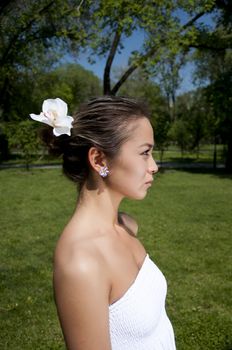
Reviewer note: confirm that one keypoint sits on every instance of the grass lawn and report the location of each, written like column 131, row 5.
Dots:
column 185, row 225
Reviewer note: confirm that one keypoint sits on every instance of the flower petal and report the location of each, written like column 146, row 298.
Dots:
column 60, row 130
column 61, row 107
column 40, row 118
column 48, row 104
column 55, row 114
column 57, row 105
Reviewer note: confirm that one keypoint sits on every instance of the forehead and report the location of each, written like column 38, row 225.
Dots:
column 141, row 132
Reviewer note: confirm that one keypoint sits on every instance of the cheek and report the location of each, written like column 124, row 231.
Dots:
column 138, row 173
column 128, row 178
column 133, row 169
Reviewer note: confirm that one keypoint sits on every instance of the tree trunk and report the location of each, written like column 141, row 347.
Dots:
column 229, row 154
column 4, row 148
column 107, row 90
column 106, row 80
column 215, row 154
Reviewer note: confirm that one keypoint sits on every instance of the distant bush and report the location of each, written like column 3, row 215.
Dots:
column 23, row 136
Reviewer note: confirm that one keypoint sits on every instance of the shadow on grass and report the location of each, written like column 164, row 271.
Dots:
column 228, row 347
column 190, row 160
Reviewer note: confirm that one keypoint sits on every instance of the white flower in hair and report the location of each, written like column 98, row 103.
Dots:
column 54, row 113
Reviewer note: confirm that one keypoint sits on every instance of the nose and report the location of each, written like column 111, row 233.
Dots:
column 153, row 167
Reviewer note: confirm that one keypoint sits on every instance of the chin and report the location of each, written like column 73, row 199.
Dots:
column 137, row 196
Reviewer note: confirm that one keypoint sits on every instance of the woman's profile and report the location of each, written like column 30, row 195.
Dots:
column 109, row 294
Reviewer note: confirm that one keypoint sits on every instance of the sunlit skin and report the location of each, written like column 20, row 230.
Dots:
column 98, row 256
column 132, row 172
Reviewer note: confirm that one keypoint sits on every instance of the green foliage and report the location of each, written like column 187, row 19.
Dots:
column 161, row 129
column 214, row 67
column 192, row 122
column 142, row 87
column 219, row 94
column 179, row 133
column 165, row 35
column 190, row 240
column 33, row 36
column 71, row 82
column 23, row 137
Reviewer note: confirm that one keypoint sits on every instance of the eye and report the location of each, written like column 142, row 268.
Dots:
column 146, row 153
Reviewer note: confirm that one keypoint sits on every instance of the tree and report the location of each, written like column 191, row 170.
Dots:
column 219, row 94
column 164, row 32
column 161, row 127
column 142, row 87
column 70, row 82
column 169, row 80
column 23, row 137
column 179, row 133
column 35, row 33
column 33, row 36
column 195, row 116
column 214, row 67
column 4, row 150
column 191, row 125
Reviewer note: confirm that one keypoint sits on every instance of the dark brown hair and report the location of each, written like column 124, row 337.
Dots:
column 102, row 122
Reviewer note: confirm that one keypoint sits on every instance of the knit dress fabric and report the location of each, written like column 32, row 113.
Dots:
column 138, row 320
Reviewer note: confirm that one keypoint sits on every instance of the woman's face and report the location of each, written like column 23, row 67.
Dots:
column 131, row 173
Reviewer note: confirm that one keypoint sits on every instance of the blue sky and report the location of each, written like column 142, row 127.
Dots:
column 135, row 43
column 121, row 61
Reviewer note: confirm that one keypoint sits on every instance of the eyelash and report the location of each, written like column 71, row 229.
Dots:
column 146, row 153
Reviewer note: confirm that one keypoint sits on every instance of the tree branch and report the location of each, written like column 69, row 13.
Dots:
column 79, row 6
column 208, row 47
column 113, row 49
column 123, row 78
column 131, row 69
column 192, row 20
column 144, row 57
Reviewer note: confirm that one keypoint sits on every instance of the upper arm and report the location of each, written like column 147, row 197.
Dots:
column 128, row 222
column 81, row 294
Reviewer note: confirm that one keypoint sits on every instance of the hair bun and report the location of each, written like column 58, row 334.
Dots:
column 54, row 144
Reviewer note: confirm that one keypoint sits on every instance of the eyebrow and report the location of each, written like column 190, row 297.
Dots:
column 148, row 145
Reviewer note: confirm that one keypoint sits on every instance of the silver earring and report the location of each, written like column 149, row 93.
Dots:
column 104, row 171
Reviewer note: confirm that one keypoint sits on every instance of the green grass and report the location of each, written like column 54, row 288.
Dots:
column 185, row 224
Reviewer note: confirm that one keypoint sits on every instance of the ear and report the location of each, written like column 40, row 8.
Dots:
column 96, row 158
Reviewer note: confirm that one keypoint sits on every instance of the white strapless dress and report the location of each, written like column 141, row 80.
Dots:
column 138, row 320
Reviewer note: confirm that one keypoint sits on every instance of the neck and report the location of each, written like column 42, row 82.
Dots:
column 99, row 204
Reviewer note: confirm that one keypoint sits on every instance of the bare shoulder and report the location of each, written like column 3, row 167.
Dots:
column 128, row 222
column 77, row 257
column 82, row 290
column 75, row 261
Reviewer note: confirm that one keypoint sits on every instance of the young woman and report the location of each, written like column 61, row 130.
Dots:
column 109, row 294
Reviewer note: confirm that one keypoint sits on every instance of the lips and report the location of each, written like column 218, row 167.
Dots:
column 149, row 182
